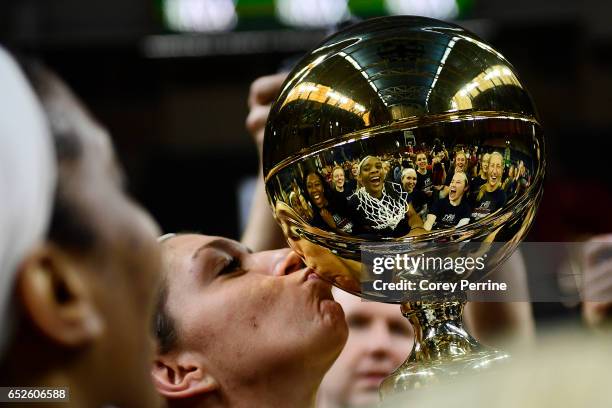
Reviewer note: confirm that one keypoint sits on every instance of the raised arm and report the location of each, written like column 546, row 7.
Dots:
column 262, row 232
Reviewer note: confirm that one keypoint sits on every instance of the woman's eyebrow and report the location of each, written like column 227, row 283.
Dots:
column 222, row 244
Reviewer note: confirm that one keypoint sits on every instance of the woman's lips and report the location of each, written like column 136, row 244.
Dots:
column 373, row 379
column 312, row 276
column 320, row 286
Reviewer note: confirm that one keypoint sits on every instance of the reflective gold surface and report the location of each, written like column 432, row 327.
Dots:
column 442, row 349
column 369, row 100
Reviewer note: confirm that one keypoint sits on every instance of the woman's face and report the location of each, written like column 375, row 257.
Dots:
column 386, row 166
column 457, row 186
column 370, row 176
column 409, row 181
column 421, row 161
column 485, row 165
column 495, row 170
column 249, row 314
column 355, row 170
column 460, row 162
column 338, row 177
column 314, row 187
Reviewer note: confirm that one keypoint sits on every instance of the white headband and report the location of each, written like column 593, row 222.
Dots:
column 27, row 179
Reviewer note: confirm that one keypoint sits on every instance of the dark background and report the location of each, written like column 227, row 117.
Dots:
column 176, row 110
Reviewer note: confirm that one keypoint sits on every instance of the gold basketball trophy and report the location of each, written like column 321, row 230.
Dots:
column 378, row 98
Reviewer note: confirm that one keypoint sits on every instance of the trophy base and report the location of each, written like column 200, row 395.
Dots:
column 442, row 349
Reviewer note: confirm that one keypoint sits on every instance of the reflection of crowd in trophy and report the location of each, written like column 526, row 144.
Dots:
column 410, row 192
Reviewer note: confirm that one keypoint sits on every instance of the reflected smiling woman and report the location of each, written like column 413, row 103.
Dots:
column 491, row 196
column 328, row 213
column 381, row 208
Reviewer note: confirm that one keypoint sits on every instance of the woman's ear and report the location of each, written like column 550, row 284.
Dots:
column 54, row 290
column 181, row 376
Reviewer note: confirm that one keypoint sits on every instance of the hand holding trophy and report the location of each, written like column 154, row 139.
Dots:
column 376, row 99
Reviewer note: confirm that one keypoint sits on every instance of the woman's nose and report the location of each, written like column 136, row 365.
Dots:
column 289, row 263
column 278, row 262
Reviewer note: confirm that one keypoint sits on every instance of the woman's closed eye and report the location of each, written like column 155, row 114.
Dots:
column 232, row 265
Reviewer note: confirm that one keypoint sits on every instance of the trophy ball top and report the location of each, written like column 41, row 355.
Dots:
column 402, row 130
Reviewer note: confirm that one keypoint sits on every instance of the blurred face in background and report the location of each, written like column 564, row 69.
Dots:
column 457, row 186
column 460, row 161
column 496, row 169
column 314, row 187
column 338, row 178
column 484, row 169
column 421, row 161
column 386, row 167
column 379, row 340
column 409, row 179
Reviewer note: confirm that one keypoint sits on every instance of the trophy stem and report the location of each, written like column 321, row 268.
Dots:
column 442, row 348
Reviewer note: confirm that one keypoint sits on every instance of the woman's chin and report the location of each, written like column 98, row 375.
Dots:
column 334, row 330
column 332, row 312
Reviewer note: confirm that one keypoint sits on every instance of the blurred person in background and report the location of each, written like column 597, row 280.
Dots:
column 328, row 211
column 82, row 300
column 452, row 210
column 417, row 198
column 460, row 165
column 355, row 170
column 343, row 187
column 596, row 267
column 509, row 185
column 438, row 174
column 477, row 181
column 409, row 179
column 379, row 340
column 491, row 196
column 386, row 164
column 522, row 181
column 242, row 329
column 424, row 180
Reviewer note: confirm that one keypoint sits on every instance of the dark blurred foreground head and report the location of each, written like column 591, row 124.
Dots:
column 82, row 299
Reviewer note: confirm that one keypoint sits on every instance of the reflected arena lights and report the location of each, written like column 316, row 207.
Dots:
column 442, row 9
column 224, row 15
column 326, row 95
column 311, row 13
column 493, row 76
column 200, row 15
